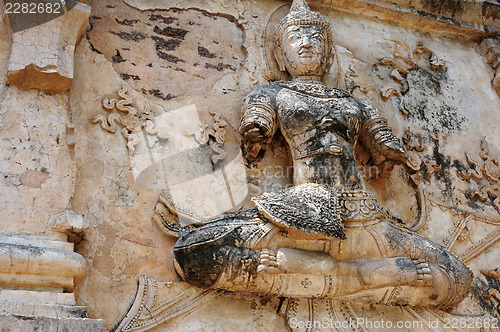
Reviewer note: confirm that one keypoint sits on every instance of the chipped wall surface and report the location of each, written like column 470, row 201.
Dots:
column 155, row 104
column 176, row 48
column 37, row 168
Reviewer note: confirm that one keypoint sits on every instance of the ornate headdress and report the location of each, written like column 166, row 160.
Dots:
column 301, row 14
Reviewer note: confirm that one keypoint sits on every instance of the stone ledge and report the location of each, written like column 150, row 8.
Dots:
column 42, row 57
column 35, row 297
column 46, row 310
column 21, row 323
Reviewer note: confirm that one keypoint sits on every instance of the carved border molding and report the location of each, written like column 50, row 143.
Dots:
column 461, row 20
column 159, row 302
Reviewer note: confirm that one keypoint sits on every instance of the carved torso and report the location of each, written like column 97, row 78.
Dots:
column 322, row 128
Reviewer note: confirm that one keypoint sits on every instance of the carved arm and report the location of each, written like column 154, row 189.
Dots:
column 258, row 122
column 377, row 137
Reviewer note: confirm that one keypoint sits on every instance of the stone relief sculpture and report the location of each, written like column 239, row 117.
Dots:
column 132, row 123
column 488, row 174
column 325, row 237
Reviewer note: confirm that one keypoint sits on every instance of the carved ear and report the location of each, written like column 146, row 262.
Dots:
column 330, row 60
column 278, row 54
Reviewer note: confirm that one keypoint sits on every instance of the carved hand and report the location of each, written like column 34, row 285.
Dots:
column 391, row 152
column 254, row 140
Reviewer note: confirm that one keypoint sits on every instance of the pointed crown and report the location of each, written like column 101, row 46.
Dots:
column 301, row 14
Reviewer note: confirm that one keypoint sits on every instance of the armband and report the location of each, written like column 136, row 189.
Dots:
column 258, row 115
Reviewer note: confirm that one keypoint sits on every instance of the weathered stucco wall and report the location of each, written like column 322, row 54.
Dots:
column 186, row 66
column 208, row 54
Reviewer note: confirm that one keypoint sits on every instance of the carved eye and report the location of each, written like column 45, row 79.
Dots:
column 319, row 36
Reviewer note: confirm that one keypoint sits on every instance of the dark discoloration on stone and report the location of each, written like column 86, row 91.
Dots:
column 36, row 251
column 25, row 318
column 460, row 166
column 126, row 22
column 479, row 293
column 167, row 45
column 134, row 35
column 168, row 57
column 128, row 76
column 445, row 174
column 91, row 26
column 421, row 102
column 117, row 58
column 202, row 265
column 202, row 51
column 443, row 7
column 158, row 94
column 169, row 49
column 220, row 66
column 490, row 10
column 162, row 19
column 171, row 32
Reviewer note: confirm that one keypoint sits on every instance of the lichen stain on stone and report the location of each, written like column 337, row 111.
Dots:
column 167, row 45
column 127, row 76
column 158, row 94
column 171, row 32
column 157, row 51
column 424, row 103
column 450, row 7
column 117, row 58
column 479, row 293
column 489, row 11
column 220, row 66
column 168, row 57
column 126, row 22
column 202, row 51
column 134, row 35
column 162, row 19
column 444, row 176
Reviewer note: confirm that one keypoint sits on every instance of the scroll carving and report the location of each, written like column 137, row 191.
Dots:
column 393, row 71
column 417, row 162
column 403, row 63
column 131, row 123
column 486, row 173
column 215, row 137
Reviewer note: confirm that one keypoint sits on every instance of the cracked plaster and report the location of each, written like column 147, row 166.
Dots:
column 97, row 179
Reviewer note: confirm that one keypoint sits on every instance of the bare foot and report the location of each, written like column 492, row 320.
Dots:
column 424, row 274
column 286, row 261
column 268, row 262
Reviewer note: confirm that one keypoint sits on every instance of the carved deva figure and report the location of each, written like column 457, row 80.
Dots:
column 325, row 237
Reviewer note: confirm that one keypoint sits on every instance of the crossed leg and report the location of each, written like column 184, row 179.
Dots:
column 282, row 266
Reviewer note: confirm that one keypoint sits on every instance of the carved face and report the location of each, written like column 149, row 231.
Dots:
column 305, row 50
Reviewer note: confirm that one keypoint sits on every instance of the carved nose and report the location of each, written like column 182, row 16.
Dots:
column 305, row 41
